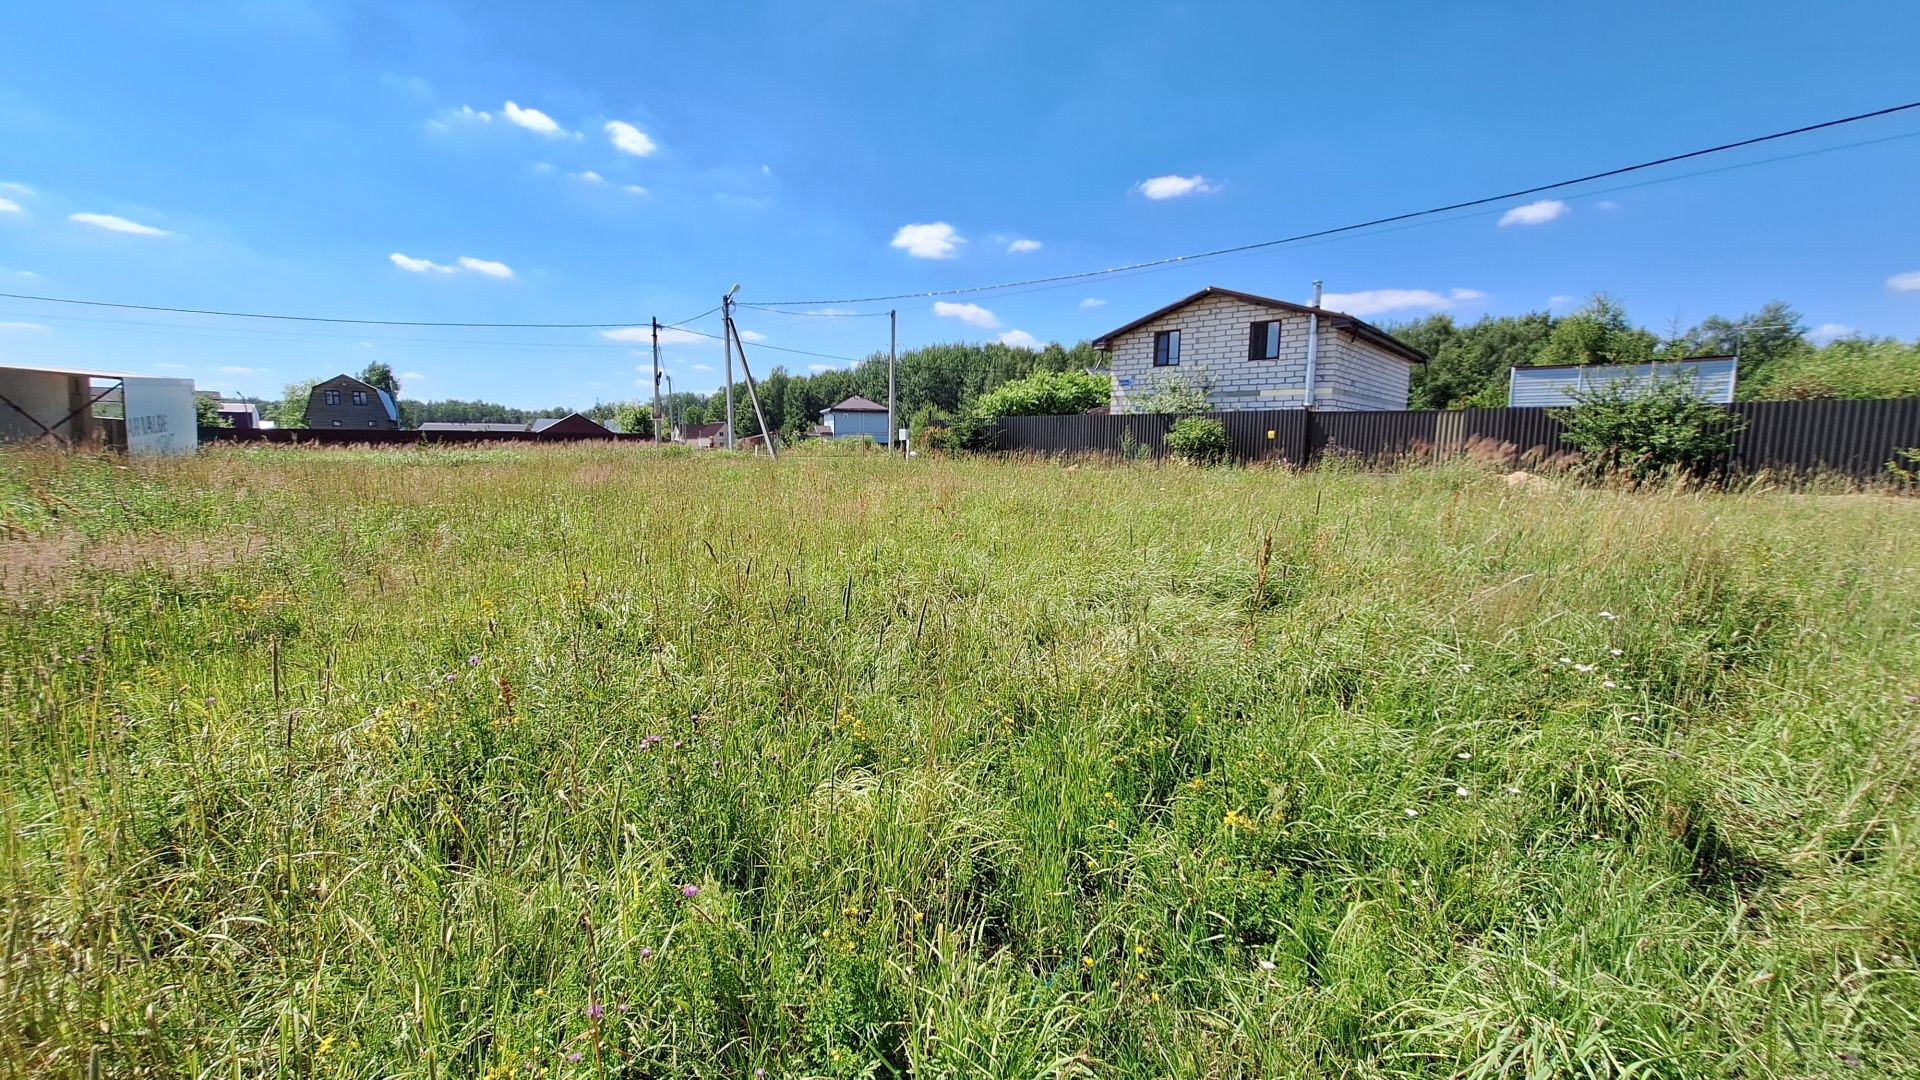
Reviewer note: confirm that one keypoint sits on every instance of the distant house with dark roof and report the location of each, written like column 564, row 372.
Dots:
column 855, row 418
column 572, row 425
column 703, row 436
column 345, row 402
column 1260, row 353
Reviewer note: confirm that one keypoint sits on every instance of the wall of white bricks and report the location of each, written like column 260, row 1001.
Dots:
column 1352, row 374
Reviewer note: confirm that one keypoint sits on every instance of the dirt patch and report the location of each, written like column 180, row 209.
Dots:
column 42, row 567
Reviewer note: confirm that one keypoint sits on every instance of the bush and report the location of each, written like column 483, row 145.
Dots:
column 1047, row 393
column 1198, row 440
column 1175, row 394
column 1639, row 431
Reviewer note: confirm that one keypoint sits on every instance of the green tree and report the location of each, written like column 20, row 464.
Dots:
column 1598, row 333
column 633, row 418
column 1847, row 368
column 206, row 412
column 1468, row 365
column 381, row 376
column 291, row 410
column 1761, row 338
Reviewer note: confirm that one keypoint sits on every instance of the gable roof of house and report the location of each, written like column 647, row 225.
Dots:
column 571, row 424
column 702, row 431
column 1338, row 320
column 386, row 399
column 856, row 403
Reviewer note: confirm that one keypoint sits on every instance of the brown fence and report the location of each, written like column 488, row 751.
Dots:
column 379, row 437
column 1854, row 438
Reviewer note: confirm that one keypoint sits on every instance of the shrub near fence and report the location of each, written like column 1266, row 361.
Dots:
column 1852, row 438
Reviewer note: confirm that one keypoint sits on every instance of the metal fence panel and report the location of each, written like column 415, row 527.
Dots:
column 1853, row 438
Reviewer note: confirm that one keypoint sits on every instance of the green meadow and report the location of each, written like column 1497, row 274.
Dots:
column 572, row 762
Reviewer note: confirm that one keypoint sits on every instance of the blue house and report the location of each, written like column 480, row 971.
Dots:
column 857, row 417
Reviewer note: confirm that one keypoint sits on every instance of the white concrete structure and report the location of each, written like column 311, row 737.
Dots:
column 1253, row 351
column 57, row 405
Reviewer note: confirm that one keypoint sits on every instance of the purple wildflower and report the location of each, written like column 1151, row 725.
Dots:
column 645, row 954
column 689, row 890
column 449, row 676
column 575, row 1056
column 595, row 1012
column 473, row 660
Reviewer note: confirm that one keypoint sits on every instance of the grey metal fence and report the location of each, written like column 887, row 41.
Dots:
column 1853, row 438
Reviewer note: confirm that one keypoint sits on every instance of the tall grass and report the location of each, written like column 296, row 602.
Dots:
column 568, row 762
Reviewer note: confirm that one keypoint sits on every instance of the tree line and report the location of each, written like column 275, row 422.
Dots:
column 942, row 383
column 1779, row 359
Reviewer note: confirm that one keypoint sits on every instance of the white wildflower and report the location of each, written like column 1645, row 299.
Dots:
column 1464, row 755
column 1266, row 965
column 1462, row 792
column 1613, row 652
column 1608, row 615
column 1566, row 659
column 1466, row 667
column 1584, row 669
column 1411, row 812
column 1608, row 683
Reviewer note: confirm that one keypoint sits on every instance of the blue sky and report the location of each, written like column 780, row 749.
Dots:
column 592, row 162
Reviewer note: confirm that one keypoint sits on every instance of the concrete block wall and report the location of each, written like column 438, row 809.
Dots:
column 1357, row 375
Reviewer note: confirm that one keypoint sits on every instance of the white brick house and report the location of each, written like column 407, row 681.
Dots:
column 1254, row 352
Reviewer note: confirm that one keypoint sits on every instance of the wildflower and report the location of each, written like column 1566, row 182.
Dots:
column 1155, row 996
column 1266, row 965
column 1566, row 659
column 919, row 916
column 689, row 890
column 1465, row 755
column 449, row 676
column 575, row 1056
column 1608, row 683
column 325, row 1045
column 1613, row 652
column 595, row 1012
column 759, row 1072
column 1087, row 960
column 1466, row 667
column 1411, row 812
column 645, row 954
column 1609, row 616
column 1139, row 950
column 1462, row 792
column 1584, row 669
column 539, row 991
column 472, row 660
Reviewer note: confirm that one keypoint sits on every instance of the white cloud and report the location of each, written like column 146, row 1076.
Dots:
column 169, row 367
column 1173, row 187
column 818, row 368
column 411, row 377
column 8, row 206
column 1534, row 213
column 590, row 177
column 629, row 138
column 750, row 335
column 1907, row 282
column 1092, row 302
column 1019, row 246
column 1381, row 301
column 1830, row 331
column 1606, row 204
column 232, row 369
column 971, row 314
column 1559, row 300
column 634, row 189
column 465, row 114
column 27, row 274
column 542, row 166
column 418, row 266
column 1019, row 339
column 938, row 240
column 113, row 223
column 701, row 367
column 23, row 327
column 533, row 120
column 486, row 266
column 17, row 189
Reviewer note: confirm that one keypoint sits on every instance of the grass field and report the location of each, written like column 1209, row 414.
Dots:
column 570, row 762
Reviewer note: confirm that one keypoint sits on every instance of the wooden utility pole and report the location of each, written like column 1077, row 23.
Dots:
column 656, row 383
column 893, row 338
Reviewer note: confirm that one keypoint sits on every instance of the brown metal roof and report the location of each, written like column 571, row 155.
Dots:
column 1339, row 321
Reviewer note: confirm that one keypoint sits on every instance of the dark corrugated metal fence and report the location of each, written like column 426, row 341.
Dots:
column 1854, row 438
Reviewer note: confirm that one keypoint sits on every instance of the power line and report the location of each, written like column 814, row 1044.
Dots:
column 324, row 318
column 780, row 348
column 1390, row 219
column 815, row 314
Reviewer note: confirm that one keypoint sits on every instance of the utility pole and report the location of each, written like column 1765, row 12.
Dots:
column 657, row 415
column 893, row 337
column 726, row 346
column 752, row 392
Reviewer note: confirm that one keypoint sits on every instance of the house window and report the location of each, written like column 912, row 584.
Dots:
column 359, row 397
column 332, row 396
column 1263, row 340
column 1166, row 348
